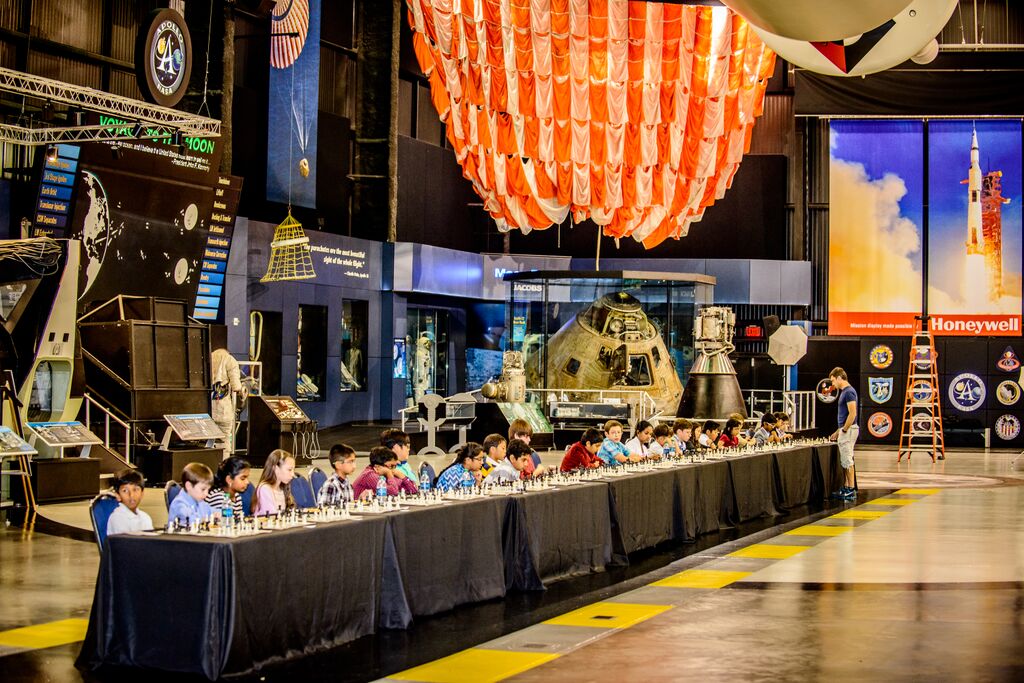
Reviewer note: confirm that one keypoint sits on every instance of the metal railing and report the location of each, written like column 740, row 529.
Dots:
column 88, row 402
column 799, row 405
column 643, row 406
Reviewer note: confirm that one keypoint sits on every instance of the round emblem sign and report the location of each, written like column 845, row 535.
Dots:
column 1008, row 362
column 922, row 390
column 826, row 392
column 1008, row 392
column 881, row 356
column 879, row 425
column 1007, row 427
column 967, row 391
column 163, row 57
column 922, row 358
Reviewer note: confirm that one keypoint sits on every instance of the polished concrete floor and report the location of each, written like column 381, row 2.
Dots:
column 923, row 577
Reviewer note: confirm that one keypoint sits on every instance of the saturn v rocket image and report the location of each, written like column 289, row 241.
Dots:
column 983, row 264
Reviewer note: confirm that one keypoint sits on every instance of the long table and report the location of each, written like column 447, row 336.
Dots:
column 219, row 605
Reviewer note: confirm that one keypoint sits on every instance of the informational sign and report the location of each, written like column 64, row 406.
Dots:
column 286, row 408
column 56, row 190
column 63, row 434
column 12, row 445
column 209, row 304
column 194, row 427
column 398, row 360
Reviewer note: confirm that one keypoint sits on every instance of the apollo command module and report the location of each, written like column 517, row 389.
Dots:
column 611, row 345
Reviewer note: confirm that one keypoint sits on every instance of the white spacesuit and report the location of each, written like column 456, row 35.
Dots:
column 227, row 384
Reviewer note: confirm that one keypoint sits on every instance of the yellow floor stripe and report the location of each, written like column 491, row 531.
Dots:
column 892, row 501
column 860, row 514
column 769, row 552
column 45, row 635
column 701, row 578
column 475, row 665
column 609, row 615
column 819, row 530
column 923, row 492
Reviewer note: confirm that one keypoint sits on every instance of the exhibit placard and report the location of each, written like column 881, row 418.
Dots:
column 194, row 427
column 64, row 434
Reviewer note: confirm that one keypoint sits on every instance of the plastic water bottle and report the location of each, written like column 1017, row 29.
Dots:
column 227, row 515
column 382, row 488
column 424, row 482
column 467, row 480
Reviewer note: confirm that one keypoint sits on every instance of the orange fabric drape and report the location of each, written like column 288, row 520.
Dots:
column 634, row 114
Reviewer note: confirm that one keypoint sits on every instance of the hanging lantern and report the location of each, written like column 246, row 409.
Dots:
column 633, row 114
column 290, row 258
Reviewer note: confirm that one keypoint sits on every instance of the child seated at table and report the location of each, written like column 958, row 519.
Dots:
column 512, row 468
column 583, row 454
column 782, row 426
column 129, row 487
column 494, row 452
column 337, row 490
column 682, row 436
column 521, row 429
column 730, row 436
column 661, row 439
column 231, row 479
column 383, row 463
column 469, row 459
column 400, row 444
column 642, row 443
column 613, row 452
column 190, row 504
column 709, row 434
column 274, row 493
column 766, row 432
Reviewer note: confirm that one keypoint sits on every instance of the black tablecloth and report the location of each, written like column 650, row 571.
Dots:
column 449, row 555
column 794, row 477
column 212, row 606
column 753, row 482
column 215, row 606
column 567, row 531
column 644, row 510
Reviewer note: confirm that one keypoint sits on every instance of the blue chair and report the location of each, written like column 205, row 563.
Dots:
column 317, row 478
column 425, row 467
column 247, row 495
column 302, row 492
column 171, row 490
column 100, row 509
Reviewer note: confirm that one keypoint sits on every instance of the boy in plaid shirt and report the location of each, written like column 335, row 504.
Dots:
column 337, row 490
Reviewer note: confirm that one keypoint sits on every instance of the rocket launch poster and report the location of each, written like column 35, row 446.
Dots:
column 974, row 227
column 876, row 209
column 294, row 100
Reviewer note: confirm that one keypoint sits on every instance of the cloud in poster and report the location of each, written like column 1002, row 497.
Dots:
column 874, row 251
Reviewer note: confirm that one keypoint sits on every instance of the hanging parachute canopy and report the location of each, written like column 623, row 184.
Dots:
column 633, row 114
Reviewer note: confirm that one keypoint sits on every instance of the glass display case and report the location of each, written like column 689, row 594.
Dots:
column 353, row 345
column 613, row 308
column 426, row 345
column 311, row 355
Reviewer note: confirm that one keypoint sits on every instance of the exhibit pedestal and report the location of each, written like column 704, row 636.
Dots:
column 159, row 466
column 57, row 480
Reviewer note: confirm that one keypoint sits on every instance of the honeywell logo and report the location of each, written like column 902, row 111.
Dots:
column 970, row 326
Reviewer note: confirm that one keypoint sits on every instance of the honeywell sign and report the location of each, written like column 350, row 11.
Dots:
column 977, row 325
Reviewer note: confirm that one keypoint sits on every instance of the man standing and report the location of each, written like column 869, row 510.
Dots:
column 846, row 435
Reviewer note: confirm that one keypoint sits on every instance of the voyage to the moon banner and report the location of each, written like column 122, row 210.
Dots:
column 877, row 198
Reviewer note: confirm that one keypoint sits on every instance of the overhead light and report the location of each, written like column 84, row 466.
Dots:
column 51, row 154
column 138, row 130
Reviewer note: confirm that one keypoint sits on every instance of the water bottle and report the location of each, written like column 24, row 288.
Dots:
column 227, row 515
column 382, row 488
column 424, row 482
column 467, row 480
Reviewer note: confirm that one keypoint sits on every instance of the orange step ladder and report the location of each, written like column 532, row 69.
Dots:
column 921, row 428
